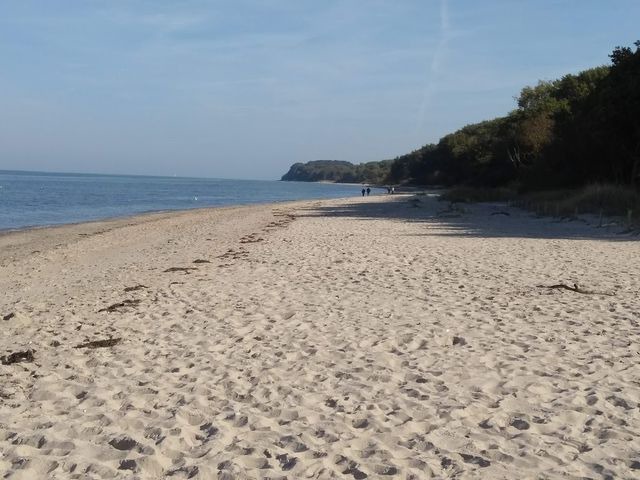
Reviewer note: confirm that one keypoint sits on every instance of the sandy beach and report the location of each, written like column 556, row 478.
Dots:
column 381, row 337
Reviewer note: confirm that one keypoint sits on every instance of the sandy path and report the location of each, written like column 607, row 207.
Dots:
column 370, row 338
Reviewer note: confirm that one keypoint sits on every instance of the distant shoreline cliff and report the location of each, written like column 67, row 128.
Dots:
column 338, row 171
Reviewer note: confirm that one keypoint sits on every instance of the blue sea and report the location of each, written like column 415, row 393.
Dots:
column 30, row 199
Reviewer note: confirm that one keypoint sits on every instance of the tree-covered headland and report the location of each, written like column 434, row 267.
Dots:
column 582, row 128
column 579, row 130
column 339, row 171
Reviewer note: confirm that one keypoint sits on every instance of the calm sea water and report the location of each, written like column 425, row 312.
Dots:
column 35, row 199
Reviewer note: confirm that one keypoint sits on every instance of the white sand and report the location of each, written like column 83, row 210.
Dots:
column 366, row 338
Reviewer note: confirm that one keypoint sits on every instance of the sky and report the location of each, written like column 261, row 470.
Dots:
column 243, row 89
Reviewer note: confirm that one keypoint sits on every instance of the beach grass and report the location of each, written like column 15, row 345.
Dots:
column 597, row 199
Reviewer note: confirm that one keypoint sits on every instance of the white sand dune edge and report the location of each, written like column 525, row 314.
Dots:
column 363, row 338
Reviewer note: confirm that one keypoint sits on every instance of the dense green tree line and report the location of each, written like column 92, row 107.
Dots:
column 579, row 129
column 339, row 171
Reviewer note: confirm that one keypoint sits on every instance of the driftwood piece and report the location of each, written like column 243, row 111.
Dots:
column 501, row 213
column 200, row 260
column 117, row 306
column 109, row 342
column 18, row 357
column 8, row 316
column 575, row 288
column 180, row 269
column 134, row 288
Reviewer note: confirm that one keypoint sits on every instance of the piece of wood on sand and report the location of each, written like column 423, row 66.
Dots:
column 109, row 342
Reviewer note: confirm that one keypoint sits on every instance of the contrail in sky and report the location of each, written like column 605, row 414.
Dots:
column 436, row 63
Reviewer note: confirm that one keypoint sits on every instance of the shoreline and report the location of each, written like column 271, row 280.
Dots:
column 135, row 216
column 113, row 200
column 380, row 336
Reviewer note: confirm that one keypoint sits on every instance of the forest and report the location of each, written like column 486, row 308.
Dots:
column 339, row 171
column 578, row 130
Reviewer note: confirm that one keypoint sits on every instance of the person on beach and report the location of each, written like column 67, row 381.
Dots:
column 368, row 191
column 363, row 192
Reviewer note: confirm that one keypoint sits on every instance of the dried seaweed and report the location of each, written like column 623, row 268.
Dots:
column 134, row 288
column 575, row 288
column 109, row 342
column 117, row 306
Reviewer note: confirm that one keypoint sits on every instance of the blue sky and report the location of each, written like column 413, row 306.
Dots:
column 243, row 89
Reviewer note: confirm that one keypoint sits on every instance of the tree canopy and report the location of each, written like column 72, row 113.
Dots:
column 338, row 171
column 579, row 129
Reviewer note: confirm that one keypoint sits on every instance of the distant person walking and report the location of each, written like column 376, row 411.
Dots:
column 393, row 190
column 368, row 191
column 363, row 192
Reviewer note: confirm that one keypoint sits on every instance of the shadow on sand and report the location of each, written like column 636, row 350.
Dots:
column 486, row 220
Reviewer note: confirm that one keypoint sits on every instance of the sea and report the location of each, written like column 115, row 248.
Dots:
column 36, row 199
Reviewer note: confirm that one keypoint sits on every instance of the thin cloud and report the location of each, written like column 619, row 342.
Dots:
column 437, row 62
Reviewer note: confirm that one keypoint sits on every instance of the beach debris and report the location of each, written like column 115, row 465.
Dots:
column 117, row 306
column 576, row 289
column 176, row 283
column 180, row 269
column 500, row 213
column 109, row 342
column 18, row 357
column 200, row 260
column 8, row 316
column 135, row 288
